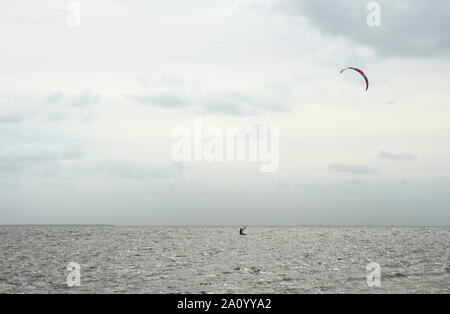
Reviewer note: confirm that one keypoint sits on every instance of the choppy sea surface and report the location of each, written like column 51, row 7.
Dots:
column 116, row 259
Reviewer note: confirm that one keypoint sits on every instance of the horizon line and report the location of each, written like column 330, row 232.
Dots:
column 211, row 225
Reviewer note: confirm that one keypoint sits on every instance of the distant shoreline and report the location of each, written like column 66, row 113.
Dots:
column 231, row 226
column 57, row 225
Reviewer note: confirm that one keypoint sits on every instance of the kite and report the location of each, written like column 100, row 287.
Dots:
column 360, row 72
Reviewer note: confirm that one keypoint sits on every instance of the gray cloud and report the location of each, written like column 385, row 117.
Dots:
column 404, row 156
column 165, row 100
column 139, row 170
column 21, row 157
column 369, row 202
column 56, row 106
column 13, row 116
column 230, row 102
column 242, row 104
column 15, row 109
column 354, row 169
column 84, row 98
column 168, row 80
column 408, row 28
column 56, row 97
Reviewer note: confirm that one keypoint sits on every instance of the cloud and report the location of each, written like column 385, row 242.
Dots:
column 393, row 156
column 56, row 97
column 228, row 102
column 84, row 98
column 373, row 202
column 15, row 109
column 168, row 80
column 139, row 170
column 13, row 116
column 408, row 28
column 354, row 169
column 66, row 161
column 238, row 103
column 20, row 157
column 165, row 100
column 55, row 106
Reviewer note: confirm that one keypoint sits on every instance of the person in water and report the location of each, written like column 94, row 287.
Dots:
column 241, row 231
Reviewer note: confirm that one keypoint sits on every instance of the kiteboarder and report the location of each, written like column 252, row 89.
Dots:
column 241, row 231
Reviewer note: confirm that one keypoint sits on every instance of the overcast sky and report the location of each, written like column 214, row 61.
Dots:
column 86, row 112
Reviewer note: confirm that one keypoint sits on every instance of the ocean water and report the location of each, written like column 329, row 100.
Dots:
column 115, row 259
